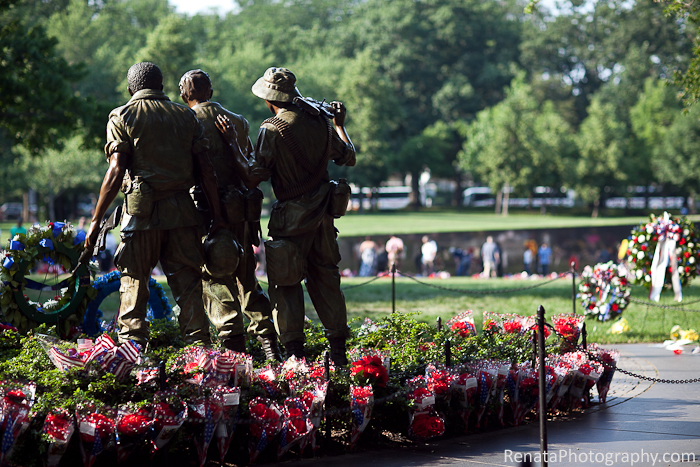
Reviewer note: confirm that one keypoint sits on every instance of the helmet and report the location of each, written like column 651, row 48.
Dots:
column 221, row 254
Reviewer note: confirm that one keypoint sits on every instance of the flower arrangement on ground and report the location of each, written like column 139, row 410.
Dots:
column 604, row 290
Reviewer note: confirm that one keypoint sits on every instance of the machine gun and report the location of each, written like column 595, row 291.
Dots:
column 315, row 107
column 107, row 224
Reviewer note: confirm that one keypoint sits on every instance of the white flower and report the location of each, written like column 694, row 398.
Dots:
column 638, row 273
column 686, row 232
column 650, row 229
column 634, row 251
column 630, row 258
column 642, row 239
column 647, row 278
column 640, row 255
column 678, row 251
column 681, row 269
column 691, row 260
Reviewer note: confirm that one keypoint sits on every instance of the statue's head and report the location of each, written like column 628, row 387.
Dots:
column 195, row 85
column 144, row 75
column 276, row 85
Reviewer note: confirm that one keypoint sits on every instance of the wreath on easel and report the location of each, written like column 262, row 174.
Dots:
column 604, row 290
column 59, row 298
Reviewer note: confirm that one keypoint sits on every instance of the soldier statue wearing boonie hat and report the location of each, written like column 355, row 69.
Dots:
column 293, row 150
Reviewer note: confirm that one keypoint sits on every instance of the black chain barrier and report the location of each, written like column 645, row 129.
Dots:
column 348, row 287
column 666, row 307
column 483, row 292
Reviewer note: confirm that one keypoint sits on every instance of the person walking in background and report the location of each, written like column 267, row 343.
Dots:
column 544, row 257
column 428, row 254
column 395, row 250
column 527, row 261
column 18, row 229
column 490, row 256
column 368, row 254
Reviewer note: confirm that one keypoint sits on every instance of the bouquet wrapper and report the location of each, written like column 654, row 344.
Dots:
column 492, row 321
column 59, row 426
column 265, row 425
column 567, row 379
column 230, row 399
column 168, row 418
column 499, row 386
column 96, row 432
column 16, row 402
column 439, row 381
column 118, row 360
column 134, row 428
column 205, row 412
column 485, row 383
column 267, row 378
column 362, row 402
column 528, row 392
column 296, row 425
column 603, row 383
column 463, row 324
column 464, row 391
column 315, row 401
column 426, row 425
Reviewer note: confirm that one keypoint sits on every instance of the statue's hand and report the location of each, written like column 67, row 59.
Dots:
column 223, row 123
column 340, row 111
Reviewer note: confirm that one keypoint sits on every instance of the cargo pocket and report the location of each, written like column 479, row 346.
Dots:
column 285, row 265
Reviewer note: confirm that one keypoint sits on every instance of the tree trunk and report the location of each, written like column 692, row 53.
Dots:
column 25, row 206
column 596, row 208
column 499, row 201
column 457, row 199
column 51, row 199
column 506, row 198
column 415, row 190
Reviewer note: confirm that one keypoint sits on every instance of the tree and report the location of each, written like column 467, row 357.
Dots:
column 517, row 144
column 602, row 142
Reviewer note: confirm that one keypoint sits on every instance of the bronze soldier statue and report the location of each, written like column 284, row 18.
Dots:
column 293, row 150
column 225, row 297
column 155, row 147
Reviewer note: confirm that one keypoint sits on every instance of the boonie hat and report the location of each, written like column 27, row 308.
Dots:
column 277, row 84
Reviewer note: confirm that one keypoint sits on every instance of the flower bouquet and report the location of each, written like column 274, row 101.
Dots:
column 569, row 327
column 265, row 424
column 204, row 415
column 609, row 359
column 134, row 427
column 591, row 371
column 438, row 381
column 230, row 400
column 464, row 391
column 492, row 322
column 463, row 324
column 485, row 381
column 426, row 425
column 310, row 386
column 96, row 428
column 169, row 413
column 266, row 377
column 16, row 401
column 369, row 370
column 604, row 290
column 295, row 426
column 527, row 394
column 361, row 402
column 59, row 426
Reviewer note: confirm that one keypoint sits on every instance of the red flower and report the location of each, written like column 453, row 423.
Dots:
column 615, row 307
column 361, row 395
column 687, row 269
column 686, row 254
column 370, row 369
column 512, row 327
column 296, row 417
column 56, row 425
column 133, row 425
column 308, row 399
column 103, row 426
column 643, row 248
column 426, row 426
column 489, row 325
column 419, row 394
column 681, row 241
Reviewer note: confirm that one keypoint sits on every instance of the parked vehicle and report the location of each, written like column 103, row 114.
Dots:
column 11, row 211
column 384, row 197
column 481, row 196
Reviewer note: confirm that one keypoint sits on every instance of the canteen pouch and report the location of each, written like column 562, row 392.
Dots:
column 253, row 204
column 139, row 196
column 285, row 265
column 340, row 197
column 234, row 205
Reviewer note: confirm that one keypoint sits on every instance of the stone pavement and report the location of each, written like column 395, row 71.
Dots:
column 641, row 424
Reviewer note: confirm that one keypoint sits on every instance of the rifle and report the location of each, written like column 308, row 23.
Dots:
column 314, row 107
column 107, row 224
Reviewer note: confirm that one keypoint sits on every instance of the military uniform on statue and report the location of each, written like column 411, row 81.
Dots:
column 293, row 150
column 231, row 292
column 154, row 148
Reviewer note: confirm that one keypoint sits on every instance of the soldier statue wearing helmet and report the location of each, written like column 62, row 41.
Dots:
column 231, row 289
column 293, row 149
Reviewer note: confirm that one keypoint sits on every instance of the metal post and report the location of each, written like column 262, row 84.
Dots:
column 534, row 348
column 573, row 286
column 439, row 324
column 448, row 353
column 583, row 336
column 393, row 287
column 543, row 386
column 327, row 377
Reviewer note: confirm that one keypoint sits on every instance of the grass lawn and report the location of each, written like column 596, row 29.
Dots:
column 403, row 223
column 648, row 324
